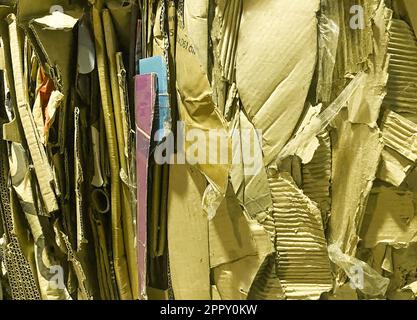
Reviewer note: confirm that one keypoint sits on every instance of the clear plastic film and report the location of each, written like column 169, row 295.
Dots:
column 361, row 275
column 303, row 139
column 212, row 198
column 328, row 41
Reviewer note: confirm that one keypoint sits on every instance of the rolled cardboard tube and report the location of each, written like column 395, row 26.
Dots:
column 100, row 200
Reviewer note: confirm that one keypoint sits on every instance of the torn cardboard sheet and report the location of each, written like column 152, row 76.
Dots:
column 230, row 30
column 303, row 266
column 285, row 50
column 196, row 23
column 356, row 153
column 394, row 167
column 412, row 287
column 355, row 23
column 410, row 12
column 402, row 84
column 248, row 175
column 229, row 233
column 399, row 134
column 364, row 107
column 317, row 176
column 345, row 292
column 235, row 279
column 392, row 218
column 403, row 269
column 197, row 110
column 188, row 229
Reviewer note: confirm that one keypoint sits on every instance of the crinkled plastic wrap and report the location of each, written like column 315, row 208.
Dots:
column 328, row 41
column 361, row 275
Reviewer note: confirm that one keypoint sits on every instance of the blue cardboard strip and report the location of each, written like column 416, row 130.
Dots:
column 158, row 66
